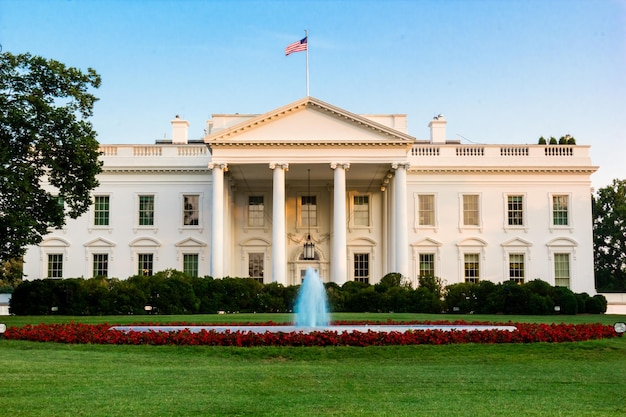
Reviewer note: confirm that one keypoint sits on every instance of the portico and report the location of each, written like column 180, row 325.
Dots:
column 355, row 207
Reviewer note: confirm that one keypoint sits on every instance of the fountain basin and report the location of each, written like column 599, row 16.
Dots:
column 300, row 329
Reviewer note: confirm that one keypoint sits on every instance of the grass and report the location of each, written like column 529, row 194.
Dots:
column 568, row 379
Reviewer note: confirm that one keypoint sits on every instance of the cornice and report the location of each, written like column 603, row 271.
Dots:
column 309, row 144
column 154, row 170
column 513, row 170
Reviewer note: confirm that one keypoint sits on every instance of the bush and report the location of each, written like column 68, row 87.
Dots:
column 173, row 292
column 461, row 298
column 565, row 299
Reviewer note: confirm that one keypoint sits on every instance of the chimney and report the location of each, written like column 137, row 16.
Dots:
column 438, row 129
column 179, row 130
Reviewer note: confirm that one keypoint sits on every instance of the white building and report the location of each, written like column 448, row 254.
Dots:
column 242, row 201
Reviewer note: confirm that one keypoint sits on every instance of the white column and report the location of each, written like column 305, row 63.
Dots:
column 339, row 272
column 279, row 234
column 402, row 233
column 217, row 221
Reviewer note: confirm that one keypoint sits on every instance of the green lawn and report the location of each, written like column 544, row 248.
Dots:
column 569, row 379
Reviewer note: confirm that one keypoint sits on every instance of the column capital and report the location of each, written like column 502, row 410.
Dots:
column 283, row 165
column 344, row 165
column 403, row 165
column 220, row 165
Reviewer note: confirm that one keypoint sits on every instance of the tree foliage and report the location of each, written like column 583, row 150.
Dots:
column 48, row 148
column 609, row 237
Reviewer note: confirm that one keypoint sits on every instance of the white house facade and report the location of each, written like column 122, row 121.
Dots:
column 244, row 200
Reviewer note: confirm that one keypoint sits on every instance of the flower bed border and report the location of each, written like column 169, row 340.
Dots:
column 79, row 333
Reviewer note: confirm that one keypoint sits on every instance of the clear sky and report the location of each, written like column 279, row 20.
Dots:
column 500, row 71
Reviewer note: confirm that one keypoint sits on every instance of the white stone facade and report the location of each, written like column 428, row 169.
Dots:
column 373, row 199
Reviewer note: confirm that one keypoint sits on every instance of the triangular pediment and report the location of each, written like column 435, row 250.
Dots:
column 190, row 242
column 100, row 243
column 427, row 242
column 306, row 122
column 517, row 242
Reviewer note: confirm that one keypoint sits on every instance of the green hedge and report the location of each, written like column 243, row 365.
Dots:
column 172, row 292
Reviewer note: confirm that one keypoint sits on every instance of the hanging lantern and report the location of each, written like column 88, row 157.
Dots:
column 309, row 246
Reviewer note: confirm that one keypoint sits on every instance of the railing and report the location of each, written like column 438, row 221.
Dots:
column 559, row 151
column 470, row 151
column 496, row 151
column 514, row 151
column 154, row 150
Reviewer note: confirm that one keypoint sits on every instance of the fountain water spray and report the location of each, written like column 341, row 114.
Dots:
column 312, row 304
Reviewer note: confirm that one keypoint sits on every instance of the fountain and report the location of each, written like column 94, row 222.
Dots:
column 312, row 306
column 312, row 316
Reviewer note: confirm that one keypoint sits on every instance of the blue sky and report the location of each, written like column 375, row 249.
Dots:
column 500, row 71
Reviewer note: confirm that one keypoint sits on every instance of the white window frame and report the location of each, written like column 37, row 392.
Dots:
column 92, row 211
column 92, row 262
column 139, row 227
column 62, row 263
column 524, row 225
column 98, row 246
column 516, row 246
column 362, row 245
column 190, row 253
column 351, row 224
column 262, row 258
column 425, row 246
column 471, row 246
column 52, row 246
column 191, row 246
column 256, row 245
column 566, row 246
column 462, row 225
column 570, row 217
column 300, row 226
column 416, row 224
column 145, row 245
column 247, row 225
column 181, row 205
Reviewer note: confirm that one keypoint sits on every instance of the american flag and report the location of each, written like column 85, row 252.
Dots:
column 298, row 46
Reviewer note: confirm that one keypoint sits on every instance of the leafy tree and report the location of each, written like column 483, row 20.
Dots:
column 48, row 148
column 11, row 273
column 609, row 236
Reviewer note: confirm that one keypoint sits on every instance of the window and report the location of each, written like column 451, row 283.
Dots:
column 362, row 267
column 255, row 266
column 190, row 264
column 426, row 210
column 60, row 203
column 515, row 210
column 560, row 210
column 256, row 211
column 191, row 210
column 309, row 210
column 516, row 267
column 427, row 265
column 100, row 265
column 145, row 264
column 146, row 210
column 101, row 210
column 561, row 270
column 470, row 210
column 361, row 210
column 55, row 265
column 471, row 267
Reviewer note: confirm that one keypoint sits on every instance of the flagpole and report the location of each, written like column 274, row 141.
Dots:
column 306, row 31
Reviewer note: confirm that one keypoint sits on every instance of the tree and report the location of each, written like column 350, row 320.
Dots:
column 609, row 237
column 48, row 148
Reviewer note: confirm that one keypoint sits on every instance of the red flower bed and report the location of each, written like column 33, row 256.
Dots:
column 100, row 334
